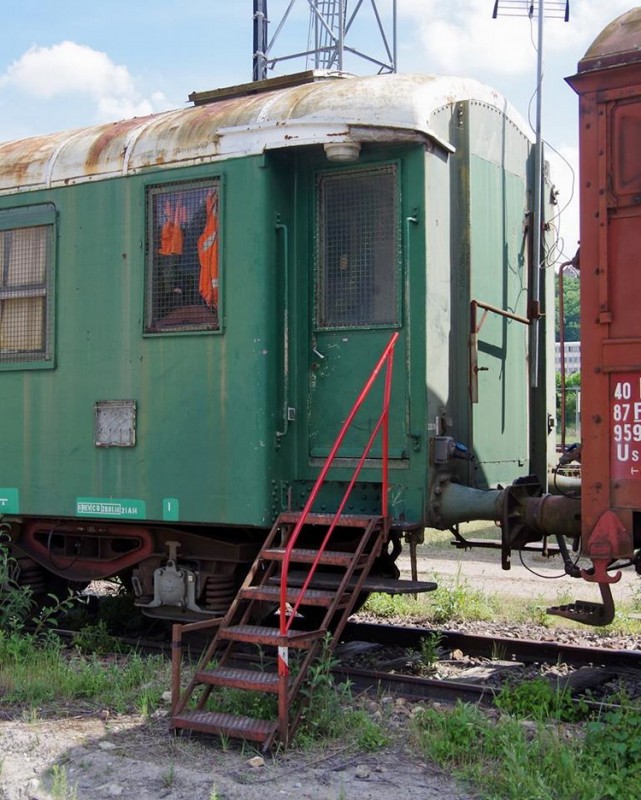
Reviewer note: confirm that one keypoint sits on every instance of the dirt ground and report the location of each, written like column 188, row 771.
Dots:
column 91, row 758
column 537, row 578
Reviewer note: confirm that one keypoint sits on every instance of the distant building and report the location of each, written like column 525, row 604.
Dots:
column 572, row 357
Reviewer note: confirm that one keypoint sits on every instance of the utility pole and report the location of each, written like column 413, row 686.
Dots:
column 556, row 9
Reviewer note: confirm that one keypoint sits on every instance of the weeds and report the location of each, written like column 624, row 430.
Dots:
column 38, row 673
column 503, row 759
column 612, row 751
column 169, row 777
column 96, row 639
column 17, row 604
column 330, row 712
column 430, row 649
column 539, row 700
column 456, row 601
column 459, row 602
column 509, row 760
column 60, row 789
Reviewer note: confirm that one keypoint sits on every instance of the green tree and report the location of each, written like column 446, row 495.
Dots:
column 572, row 387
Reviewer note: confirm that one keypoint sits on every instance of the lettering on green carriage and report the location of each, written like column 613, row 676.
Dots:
column 110, row 507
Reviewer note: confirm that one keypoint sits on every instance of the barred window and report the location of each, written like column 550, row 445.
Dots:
column 26, row 252
column 357, row 256
column 183, row 257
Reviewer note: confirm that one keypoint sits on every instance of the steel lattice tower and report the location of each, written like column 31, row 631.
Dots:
column 331, row 23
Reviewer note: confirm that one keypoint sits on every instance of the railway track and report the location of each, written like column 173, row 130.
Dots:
column 468, row 667
column 493, row 647
column 479, row 665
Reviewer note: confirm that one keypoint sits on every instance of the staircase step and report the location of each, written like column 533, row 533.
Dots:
column 312, row 597
column 257, row 634
column 332, row 558
column 373, row 583
column 344, row 521
column 257, row 730
column 235, row 678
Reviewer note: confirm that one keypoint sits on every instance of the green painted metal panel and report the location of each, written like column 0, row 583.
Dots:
column 499, row 278
column 332, row 364
column 356, row 307
column 231, row 425
column 335, row 382
column 206, row 410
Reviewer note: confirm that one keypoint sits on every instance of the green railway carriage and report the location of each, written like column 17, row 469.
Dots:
column 190, row 303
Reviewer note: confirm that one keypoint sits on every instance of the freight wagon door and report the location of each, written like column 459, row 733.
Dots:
column 356, row 305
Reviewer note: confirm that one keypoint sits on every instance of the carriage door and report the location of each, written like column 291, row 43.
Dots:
column 356, row 307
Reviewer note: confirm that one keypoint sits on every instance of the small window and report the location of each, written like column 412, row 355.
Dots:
column 358, row 249
column 26, row 253
column 184, row 258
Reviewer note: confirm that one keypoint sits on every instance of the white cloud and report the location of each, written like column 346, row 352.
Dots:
column 67, row 67
column 462, row 37
column 71, row 71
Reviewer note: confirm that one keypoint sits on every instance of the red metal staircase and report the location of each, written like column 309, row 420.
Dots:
column 223, row 664
column 327, row 579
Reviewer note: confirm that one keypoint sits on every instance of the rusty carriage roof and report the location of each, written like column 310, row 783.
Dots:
column 618, row 44
column 345, row 109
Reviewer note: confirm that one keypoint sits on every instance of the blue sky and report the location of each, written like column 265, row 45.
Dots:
column 70, row 63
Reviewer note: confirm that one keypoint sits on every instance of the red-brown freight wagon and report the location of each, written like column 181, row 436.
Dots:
column 608, row 82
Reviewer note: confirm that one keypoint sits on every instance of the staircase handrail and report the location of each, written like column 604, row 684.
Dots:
column 387, row 358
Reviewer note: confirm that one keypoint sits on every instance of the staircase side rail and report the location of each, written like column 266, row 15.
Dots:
column 177, row 630
column 386, row 359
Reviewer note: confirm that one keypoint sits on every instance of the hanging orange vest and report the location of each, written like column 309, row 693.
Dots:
column 208, row 254
column 171, row 236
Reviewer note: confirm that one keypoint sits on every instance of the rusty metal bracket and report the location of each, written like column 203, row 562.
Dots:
column 475, row 328
column 589, row 613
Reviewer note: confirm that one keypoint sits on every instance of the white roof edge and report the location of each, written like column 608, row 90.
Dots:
column 305, row 114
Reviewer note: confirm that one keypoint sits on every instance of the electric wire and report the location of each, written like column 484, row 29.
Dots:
column 547, row 577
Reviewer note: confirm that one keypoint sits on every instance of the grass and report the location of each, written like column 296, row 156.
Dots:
column 507, row 759
column 60, row 788
column 457, row 600
column 41, row 672
column 453, row 601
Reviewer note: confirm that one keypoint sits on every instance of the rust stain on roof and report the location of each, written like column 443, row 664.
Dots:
column 305, row 114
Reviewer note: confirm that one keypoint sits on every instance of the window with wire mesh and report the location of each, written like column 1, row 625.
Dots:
column 25, row 269
column 357, row 251
column 183, row 257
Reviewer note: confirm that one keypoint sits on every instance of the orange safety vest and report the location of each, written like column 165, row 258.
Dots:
column 171, row 236
column 208, row 254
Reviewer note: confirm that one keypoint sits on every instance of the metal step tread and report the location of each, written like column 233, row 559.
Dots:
column 234, row 677
column 344, row 520
column 308, row 556
column 373, row 583
column 313, row 597
column 227, row 724
column 260, row 634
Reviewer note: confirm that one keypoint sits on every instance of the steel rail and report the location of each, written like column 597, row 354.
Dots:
column 493, row 646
